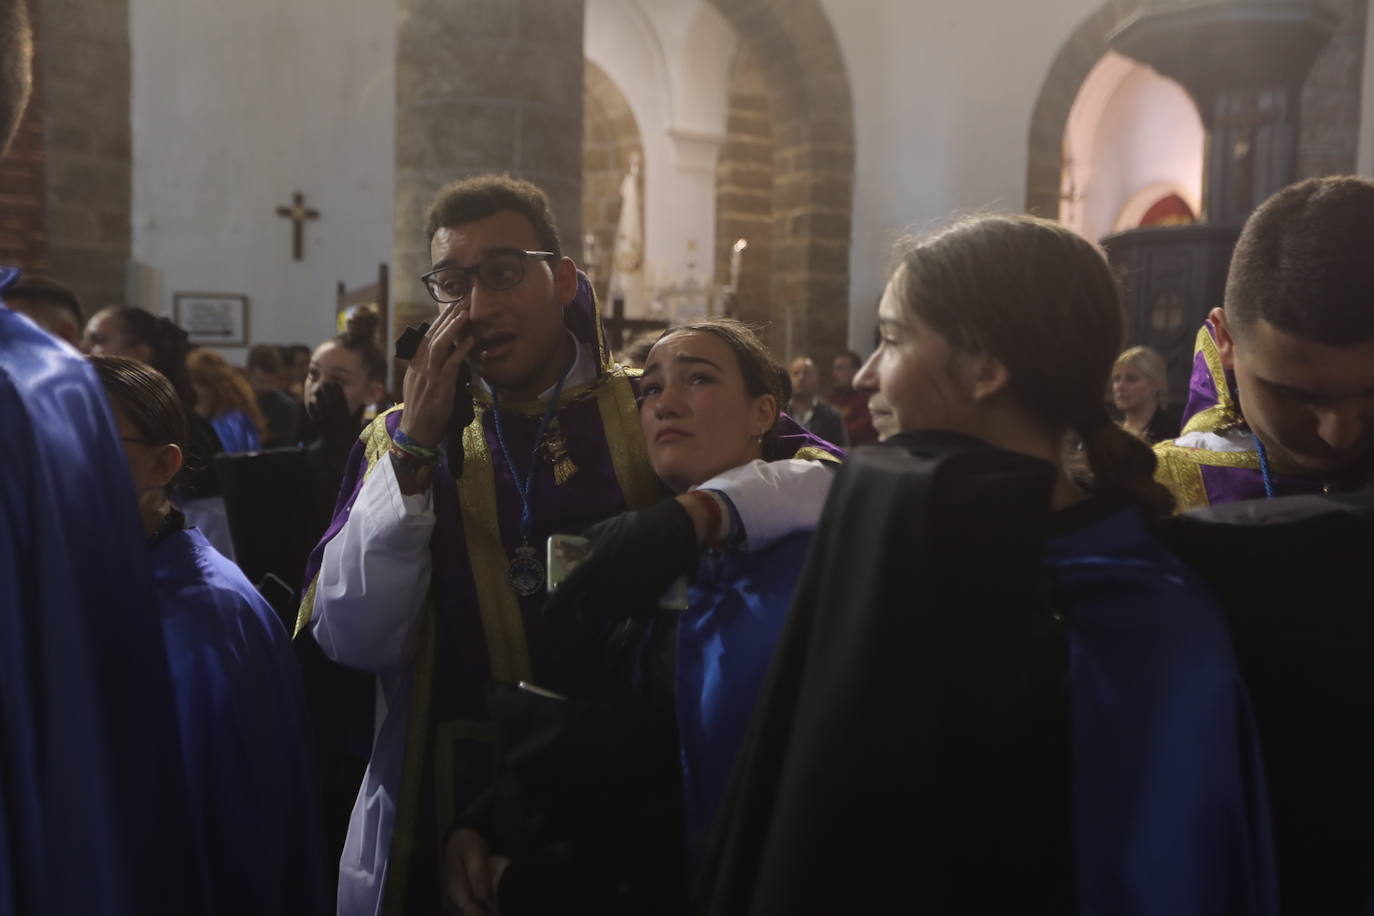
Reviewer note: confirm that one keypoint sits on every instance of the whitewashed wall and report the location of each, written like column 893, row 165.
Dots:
column 943, row 94
column 235, row 105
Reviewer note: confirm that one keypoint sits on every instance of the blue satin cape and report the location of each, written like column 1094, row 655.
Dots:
column 244, row 732
column 1171, row 814
column 93, row 805
column 736, row 610
column 236, row 432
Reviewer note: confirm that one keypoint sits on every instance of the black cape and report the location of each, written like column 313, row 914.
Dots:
column 963, row 803
column 1294, row 576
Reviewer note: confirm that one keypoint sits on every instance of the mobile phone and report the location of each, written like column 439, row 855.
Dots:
column 565, row 552
column 409, row 340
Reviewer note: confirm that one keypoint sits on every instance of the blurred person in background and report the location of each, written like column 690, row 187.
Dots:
column 52, row 306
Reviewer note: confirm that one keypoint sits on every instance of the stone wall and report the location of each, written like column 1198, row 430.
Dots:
column 87, row 137
column 812, row 114
column 744, row 191
column 484, row 86
column 23, row 210
column 610, row 137
column 1329, row 133
column 1329, row 136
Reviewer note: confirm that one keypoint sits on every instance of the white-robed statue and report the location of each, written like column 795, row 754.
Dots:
column 627, row 258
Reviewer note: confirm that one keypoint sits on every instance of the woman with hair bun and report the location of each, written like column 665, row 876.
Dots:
column 998, row 692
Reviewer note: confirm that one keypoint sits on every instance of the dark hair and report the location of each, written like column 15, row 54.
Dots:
column 167, row 343
column 227, row 386
column 483, row 195
column 47, row 292
column 290, row 353
column 146, row 397
column 1026, row 291
column 1303, row 263
column 360, row 336
column 762, row 374
column 637, row 350
column 16, row 58
column 855, row 360
column 264, row 358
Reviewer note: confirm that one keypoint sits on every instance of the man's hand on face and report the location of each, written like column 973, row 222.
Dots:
column 431, row 381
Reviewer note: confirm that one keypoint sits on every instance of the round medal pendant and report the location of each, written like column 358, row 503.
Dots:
column 525, row 573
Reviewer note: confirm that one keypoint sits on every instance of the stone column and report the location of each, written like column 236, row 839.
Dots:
column 483, row 86
column 85, row 83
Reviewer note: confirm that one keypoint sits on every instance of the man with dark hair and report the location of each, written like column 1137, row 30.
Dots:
column 806, row 407
column 295, row 366
column 516, row 424
column 1282, row 396
column 853, row 405
column 50, row 305
column 282, row 412
column 94, row 816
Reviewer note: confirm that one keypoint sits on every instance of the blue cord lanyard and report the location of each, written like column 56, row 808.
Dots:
column 1264, row 466
column 522, row 487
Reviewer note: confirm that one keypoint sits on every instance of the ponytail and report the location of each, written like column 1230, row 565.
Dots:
column 1123, row 465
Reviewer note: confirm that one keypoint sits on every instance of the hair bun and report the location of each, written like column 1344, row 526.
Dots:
column 363, row 323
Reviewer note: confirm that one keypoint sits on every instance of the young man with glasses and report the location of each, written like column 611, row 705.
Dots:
column 515, row 425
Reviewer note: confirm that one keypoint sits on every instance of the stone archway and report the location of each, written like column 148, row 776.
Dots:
column 812, row 116
column 610, row 137
column 1330, row 100
column 1050, row 117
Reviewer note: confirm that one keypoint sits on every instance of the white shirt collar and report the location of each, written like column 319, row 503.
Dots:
column 583, row 369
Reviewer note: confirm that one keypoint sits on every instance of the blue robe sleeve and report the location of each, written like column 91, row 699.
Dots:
column 91, row 783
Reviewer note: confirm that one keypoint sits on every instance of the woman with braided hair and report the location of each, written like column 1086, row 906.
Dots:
column 998, row 691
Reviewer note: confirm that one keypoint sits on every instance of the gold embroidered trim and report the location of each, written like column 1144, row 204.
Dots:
column 1182, row 476
column 307, row 611
column 502, row 622
column 403, row 835
column 1225, row 413
column 376, row 441
column 535, row 408
column 812, row 453
column 625, row 441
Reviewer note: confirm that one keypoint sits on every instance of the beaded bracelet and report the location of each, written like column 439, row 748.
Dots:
column 410, row 459
column 408, row 445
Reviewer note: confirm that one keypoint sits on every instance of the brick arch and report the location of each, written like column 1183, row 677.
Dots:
column 610, row 137
column 1050, row 117
column 811, row 110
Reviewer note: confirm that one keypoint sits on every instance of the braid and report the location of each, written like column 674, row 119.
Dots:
column 1124, row 465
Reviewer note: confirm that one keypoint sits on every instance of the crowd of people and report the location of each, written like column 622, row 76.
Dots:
column 558, row 635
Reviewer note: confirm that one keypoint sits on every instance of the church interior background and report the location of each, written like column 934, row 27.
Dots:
column 751, row 156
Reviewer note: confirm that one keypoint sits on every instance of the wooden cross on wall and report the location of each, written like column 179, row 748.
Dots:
column 298, row 213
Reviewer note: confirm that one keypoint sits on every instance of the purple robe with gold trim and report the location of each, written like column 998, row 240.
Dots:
column 1200, row 477
column 475, row 627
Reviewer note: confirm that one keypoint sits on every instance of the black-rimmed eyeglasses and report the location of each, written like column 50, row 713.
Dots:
column 499, row 270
